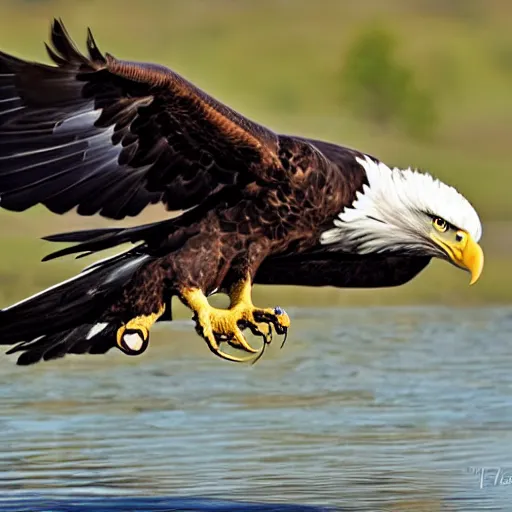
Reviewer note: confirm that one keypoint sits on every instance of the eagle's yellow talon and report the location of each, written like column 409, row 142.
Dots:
column 218, row 325
column 225, row 325
column 133, row 337
column 276, row 317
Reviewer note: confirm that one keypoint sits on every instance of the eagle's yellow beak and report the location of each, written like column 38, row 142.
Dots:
column 464, row 252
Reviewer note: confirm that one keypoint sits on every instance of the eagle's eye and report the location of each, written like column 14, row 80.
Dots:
column 440, row 224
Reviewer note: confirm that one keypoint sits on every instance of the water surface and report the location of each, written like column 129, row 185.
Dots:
column 374, row 409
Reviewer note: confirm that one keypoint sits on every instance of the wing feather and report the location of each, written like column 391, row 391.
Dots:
column 109, row 136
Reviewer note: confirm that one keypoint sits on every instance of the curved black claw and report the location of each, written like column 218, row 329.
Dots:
column 267, row 336
column 223, row 338
column 284, row 324
column 262, row 351
column 285, row 337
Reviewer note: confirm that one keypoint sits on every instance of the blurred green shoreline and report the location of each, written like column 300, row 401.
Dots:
column 281, row 63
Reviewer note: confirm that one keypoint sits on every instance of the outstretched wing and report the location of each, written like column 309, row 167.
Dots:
column 111, row 136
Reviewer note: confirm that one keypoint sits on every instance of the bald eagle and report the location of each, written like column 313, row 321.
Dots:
column 103, row 135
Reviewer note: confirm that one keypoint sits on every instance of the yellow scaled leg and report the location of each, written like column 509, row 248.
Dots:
column 253, row 317
column 218, row 325
column 133, row 337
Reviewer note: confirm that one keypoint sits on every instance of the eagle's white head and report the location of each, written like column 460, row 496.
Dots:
column 412, row 212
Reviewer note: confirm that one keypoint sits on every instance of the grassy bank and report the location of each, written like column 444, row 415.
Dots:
column 281, row 63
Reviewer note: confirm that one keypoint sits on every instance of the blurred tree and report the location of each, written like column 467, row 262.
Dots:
column 379, row 88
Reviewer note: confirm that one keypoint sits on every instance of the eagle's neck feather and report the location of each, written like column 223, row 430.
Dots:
column 390, row 212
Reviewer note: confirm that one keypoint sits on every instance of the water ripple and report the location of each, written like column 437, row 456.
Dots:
column 384, row 409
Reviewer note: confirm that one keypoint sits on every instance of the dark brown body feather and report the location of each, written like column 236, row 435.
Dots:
column 108, row 136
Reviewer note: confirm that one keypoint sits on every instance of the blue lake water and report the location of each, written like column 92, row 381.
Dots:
column 364, row 409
